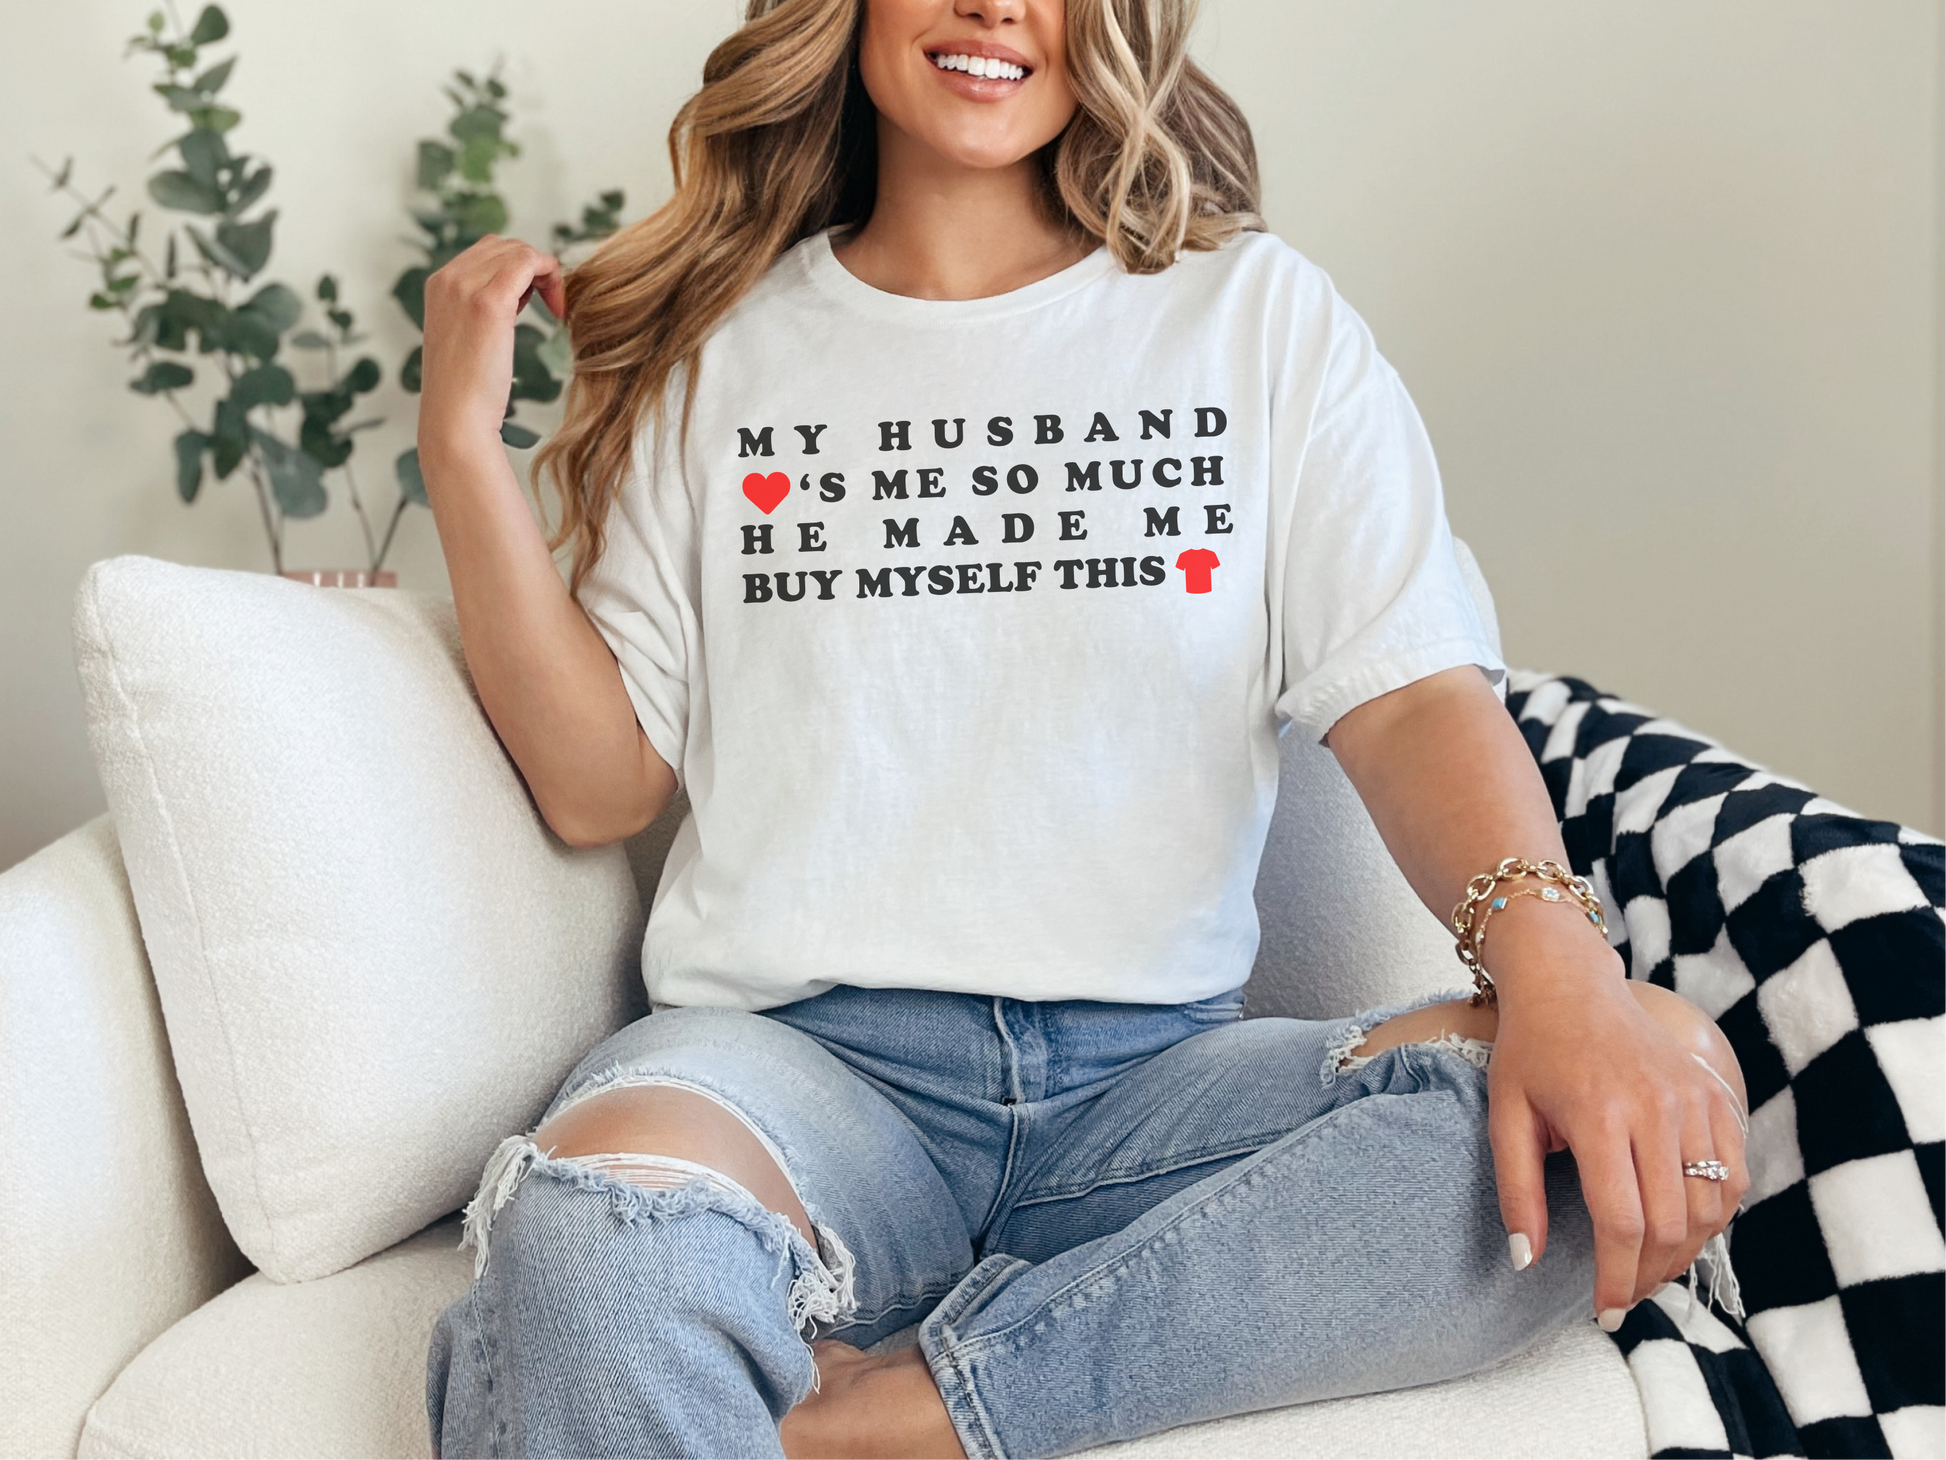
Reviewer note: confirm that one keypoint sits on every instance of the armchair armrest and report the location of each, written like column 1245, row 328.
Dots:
column 108, row 1231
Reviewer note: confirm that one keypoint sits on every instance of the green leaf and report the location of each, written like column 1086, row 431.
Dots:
column 252, row 188
column 410, row 291
column 277, row 305
column 228, row 440
column 362, row 377
column 436, row 164
column 477, row 121
column 185, row 193
column 211, row 26
column 180, row 98
column 412, row 481
column 190, row 446
column 318, row 441
column 481, row 213
column 518, row 437
column 214, row 79
column 156, row 22
column 409, row 372
column 327, row 289
column 263, row 385
column 477, row 157
column 169, row 324
column 205, row 154
column 532, row 379
column 310, row 340
column 557, row 354
column 169, row 259
column 216, row 118
column 216, row 253
column 248, row 243
column 74, row 227
column 244, row 333
column 296, row 480
column 162, row 375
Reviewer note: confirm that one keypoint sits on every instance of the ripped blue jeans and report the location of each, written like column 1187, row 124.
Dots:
column 1103, row 1219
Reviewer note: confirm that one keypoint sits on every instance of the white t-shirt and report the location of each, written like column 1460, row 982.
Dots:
column 970, row 626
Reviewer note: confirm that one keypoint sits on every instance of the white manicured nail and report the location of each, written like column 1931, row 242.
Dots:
column 1520, row 1250
column 1611, row 1319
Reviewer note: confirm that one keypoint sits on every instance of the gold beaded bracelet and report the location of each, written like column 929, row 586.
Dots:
column 1471, row 915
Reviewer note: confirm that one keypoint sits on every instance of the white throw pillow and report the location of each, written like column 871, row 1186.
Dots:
column 374, row 960
column 1342, row 929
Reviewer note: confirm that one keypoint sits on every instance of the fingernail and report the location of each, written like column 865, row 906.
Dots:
column 1611, row 1319
column 1520, row 1250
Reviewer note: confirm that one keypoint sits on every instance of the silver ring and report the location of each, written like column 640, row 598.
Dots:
column 1707, row 1170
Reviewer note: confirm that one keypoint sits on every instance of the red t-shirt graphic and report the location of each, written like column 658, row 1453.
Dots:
column 1196, row 564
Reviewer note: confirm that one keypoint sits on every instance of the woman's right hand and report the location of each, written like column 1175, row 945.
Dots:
column 468, row 362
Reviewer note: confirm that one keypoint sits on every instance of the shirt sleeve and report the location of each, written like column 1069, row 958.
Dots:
column 1372, row 593
column 640, row 597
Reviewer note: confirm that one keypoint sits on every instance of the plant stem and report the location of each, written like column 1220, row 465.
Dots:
column 386, row 547
column 372, row 552
column 263, row 506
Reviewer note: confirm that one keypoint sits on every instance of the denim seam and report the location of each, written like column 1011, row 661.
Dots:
column 1016, row 1124
column 1250, row 1177
column 486, row 1357
column 927, row 1295
column 1197, row 1158
column 956, row 1388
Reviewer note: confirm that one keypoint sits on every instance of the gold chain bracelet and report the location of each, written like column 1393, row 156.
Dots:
column 1472, row 913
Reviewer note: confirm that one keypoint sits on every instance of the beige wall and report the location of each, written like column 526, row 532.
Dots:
column 1664, row 276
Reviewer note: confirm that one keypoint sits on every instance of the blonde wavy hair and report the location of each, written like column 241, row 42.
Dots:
column 781, row 143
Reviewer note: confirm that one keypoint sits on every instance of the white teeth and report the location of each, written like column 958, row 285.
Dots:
column 984, row 66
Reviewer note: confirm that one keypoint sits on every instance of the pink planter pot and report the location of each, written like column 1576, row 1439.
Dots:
column 343, row 577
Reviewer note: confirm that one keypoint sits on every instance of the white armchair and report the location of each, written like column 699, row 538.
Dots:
column 134, row 1326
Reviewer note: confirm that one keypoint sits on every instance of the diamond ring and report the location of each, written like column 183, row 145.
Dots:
column 1707, row 1170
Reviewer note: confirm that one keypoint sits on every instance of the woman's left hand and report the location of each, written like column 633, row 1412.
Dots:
column 1579, row 1063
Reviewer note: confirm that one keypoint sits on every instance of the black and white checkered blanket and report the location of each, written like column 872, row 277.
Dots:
column 1816, row 939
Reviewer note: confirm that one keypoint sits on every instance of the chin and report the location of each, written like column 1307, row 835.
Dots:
column 979, row 148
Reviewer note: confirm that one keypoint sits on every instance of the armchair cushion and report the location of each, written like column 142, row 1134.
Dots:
column 108, row 1233
column 373, row 957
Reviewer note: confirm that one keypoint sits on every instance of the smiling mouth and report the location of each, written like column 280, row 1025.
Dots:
column 988, row 68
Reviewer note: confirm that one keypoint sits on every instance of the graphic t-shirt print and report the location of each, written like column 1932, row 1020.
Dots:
column 1183, row 449
column 1196, row 564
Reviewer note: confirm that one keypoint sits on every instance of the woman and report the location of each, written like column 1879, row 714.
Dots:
column 964, row 492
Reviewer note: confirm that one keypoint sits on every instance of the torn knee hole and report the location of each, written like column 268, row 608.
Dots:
column 1345, row 1056
column 644, row 1186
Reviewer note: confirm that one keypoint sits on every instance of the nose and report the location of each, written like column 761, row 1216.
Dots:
column 990, row 12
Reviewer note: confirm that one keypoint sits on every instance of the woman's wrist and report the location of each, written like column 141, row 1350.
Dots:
column 1534, row 946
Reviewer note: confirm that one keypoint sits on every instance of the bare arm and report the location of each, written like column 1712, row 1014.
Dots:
column 1577, row 1062
column 548, row 680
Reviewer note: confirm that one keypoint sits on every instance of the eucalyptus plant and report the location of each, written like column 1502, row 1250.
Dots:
column 200, row 300
column 461, row 206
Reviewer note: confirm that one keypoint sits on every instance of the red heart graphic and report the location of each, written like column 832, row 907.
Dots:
column 766, row 491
